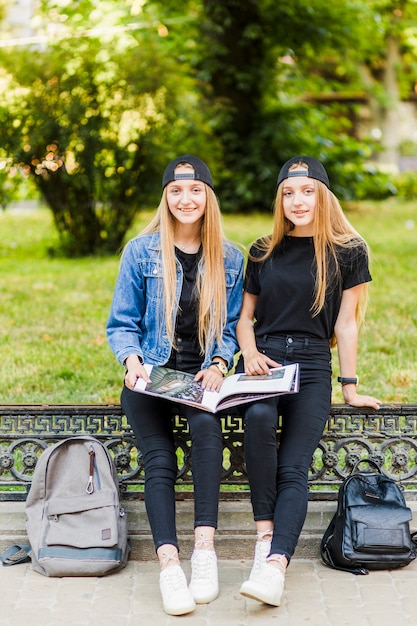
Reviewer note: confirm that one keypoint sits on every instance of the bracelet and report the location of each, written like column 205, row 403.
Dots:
column 348, row 381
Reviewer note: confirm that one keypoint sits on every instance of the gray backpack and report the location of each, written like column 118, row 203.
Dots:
column 75, row 524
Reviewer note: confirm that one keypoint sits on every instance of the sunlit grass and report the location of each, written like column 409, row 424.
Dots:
column 53, row 311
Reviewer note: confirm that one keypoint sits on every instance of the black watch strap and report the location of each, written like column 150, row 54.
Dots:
column 348, row 381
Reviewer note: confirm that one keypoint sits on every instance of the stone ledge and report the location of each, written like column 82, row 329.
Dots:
column 234, row 538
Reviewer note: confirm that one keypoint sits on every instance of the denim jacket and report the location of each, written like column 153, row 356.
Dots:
column 136, row 323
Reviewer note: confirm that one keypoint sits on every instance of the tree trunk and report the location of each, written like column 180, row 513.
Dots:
column 74, row 212
column 390, row 112
column 235, row 60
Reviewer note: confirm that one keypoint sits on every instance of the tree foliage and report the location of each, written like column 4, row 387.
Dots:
column 252, row 68
column 87, row 117
column 115, row 90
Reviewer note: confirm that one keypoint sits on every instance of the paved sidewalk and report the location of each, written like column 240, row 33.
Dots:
column 315, row 596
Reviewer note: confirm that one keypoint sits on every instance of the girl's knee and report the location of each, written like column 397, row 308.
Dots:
column 293, row 475
column 205, row 425
column 260, row 417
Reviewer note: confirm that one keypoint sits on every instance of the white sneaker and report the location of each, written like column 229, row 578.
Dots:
column 176, row 596
column 204, row 584
column 266, row 585
column 262, row 550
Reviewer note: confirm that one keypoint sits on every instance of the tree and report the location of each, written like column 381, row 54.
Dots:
column 250, row 71
column 379, row 67
column 93, row 114
column 86, row 116
column 388, row 69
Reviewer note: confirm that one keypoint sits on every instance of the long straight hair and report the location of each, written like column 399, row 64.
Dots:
column 332, row 230
column 211, row 282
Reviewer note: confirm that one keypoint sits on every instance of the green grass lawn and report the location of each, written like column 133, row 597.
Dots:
column 53, row 311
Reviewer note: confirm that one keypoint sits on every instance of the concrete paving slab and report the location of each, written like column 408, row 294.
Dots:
column 314, row 596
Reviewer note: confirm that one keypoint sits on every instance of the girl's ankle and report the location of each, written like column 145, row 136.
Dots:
column 264, row 535
column 204, row 543
column 279, row 561
column 168, row 559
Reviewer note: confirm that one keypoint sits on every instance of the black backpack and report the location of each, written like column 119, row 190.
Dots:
column 370, row 529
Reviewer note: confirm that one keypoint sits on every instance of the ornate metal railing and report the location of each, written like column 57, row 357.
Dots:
column 388, row 436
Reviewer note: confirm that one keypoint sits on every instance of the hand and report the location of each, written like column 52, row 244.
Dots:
column 211, row 378
column 352, row 398
column 134, row 371
column 258, row 363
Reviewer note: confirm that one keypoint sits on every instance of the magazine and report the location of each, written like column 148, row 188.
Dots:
column 181, row 388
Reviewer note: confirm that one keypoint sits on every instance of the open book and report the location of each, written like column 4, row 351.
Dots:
column 236, row 389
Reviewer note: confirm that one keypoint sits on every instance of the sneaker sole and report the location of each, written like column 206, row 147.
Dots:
column 179, row 611
column 256, row 594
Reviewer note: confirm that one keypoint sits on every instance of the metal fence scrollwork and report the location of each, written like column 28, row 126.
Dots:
column 389, row 437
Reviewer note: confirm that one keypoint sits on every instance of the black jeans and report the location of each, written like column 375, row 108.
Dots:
column 279, row 478
column 151, row 421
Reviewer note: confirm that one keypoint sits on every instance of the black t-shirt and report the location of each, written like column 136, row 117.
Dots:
column 284, row 284
column 186, row 323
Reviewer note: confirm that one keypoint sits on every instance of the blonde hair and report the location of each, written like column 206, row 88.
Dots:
column 211, row 281
column 332, row 229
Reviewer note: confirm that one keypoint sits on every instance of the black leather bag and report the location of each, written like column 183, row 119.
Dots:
column 370, row 529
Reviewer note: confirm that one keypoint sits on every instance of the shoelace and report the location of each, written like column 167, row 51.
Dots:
column 203, row 543
column 174, row 579
column 281, row 562
column 166, row 558
column 260, row 535
column 270, row 574
column 201, row 564
column 262, row 547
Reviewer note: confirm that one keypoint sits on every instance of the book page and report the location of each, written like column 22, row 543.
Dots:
column 172, row 385
column 180, row 387
column 279, row 379
column 241, row 388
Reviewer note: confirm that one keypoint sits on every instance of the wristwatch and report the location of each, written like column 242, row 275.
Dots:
column 222, row 367
column 348, row 381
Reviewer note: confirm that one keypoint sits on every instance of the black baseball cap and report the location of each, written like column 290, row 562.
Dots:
column 201, row 171
column 314, row 170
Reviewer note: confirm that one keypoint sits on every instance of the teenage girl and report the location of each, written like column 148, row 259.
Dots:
column 176, row 303
column 303, row 288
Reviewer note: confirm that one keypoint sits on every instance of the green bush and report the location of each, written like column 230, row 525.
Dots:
column 406, row 185
column 372, row 184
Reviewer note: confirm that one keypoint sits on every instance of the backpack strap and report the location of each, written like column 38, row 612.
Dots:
column 369, row 462
column 8, row 557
